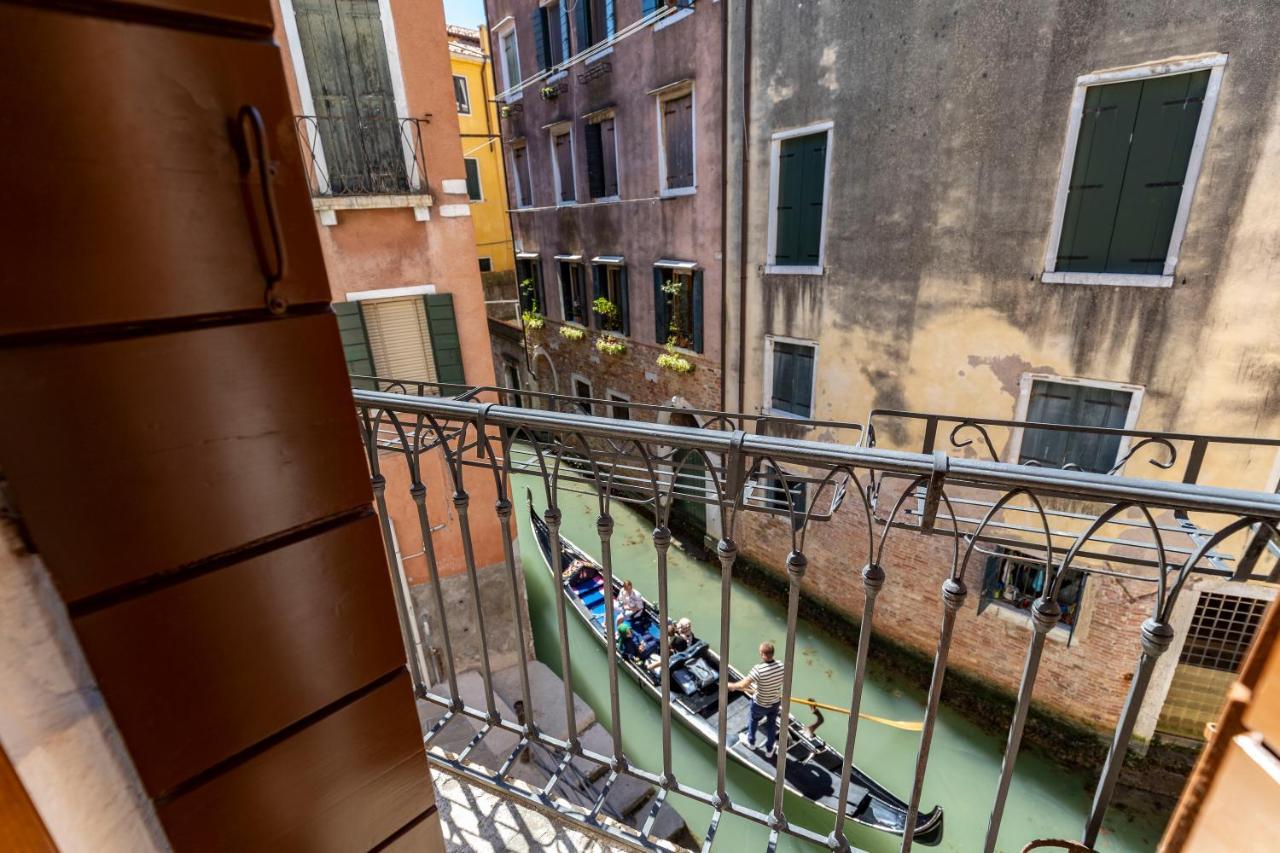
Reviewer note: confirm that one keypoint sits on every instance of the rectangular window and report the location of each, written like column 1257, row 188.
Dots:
column 592, row 22
column 676, row 143
column 798, row 201
column 573, row 292
column 486, row 265
column 1015, row 580
column 791, row 376
column 582, row 390
column 472, row 166
column 520, row 164
column 547, row 37
column 677, row 296
column 511, row 379
column 510, row 62
column 562, row 165
column 786, row 496
column 1128, row 174
column 529, row 281
column 1074, row 404
column 602, row 159
column 618, row 408
column 461, row 96
column 610, row 304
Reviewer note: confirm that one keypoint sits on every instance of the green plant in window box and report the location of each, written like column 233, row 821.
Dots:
column 611, row 345
column 573, row 333
column 605, row 309
column 674, row 361
column 532, row 320
column 549, row 93
column 504, row 110
column 532, row 316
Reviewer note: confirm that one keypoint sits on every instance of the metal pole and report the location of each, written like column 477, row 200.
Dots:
column 419, row 492
column 460, row 502
column 953, row 595
column 662, row 543
column 552, row 517
column 379, row 484
column 727, row 551
column 503, row 508
column 604, row 526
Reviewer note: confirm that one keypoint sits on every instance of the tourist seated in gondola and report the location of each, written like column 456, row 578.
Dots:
column 682, row 635
column 638, row 647
column 630, row 605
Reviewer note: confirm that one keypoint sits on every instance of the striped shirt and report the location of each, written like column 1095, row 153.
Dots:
column 767, row 677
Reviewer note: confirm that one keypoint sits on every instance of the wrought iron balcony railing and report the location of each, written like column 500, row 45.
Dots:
column 350, row 156
column 1064, row 518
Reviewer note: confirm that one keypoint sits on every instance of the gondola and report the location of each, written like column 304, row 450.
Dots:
column 812, row 769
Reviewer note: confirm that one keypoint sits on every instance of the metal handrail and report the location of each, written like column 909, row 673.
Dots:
column 898, row 493
column 360, row 156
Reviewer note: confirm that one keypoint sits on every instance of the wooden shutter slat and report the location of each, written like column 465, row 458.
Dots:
column 696, row 308
column 610, row 19
column 790, row 199
column 609, row 146
column 582, row 25
column 566, row 44
column 540, row 42
column 595, row 161
column 624, row 300
column 564, row 161
column 814, row 189
column 1163, row 134
column 661, row 320
column 472, row 167
column 355, row 342
column 445, row 342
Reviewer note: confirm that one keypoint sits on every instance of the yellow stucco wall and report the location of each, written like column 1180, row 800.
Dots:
column 480, row 141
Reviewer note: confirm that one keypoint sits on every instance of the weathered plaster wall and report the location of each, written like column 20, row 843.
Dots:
column 642, row 227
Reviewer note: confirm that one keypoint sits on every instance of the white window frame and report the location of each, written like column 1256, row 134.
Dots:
column 466, row 93
column 596, row 118
column 576, row 260
column 479, row 178
column 621, row 398
column 561, row 129
column 1024, row 402
column 1216, row 63
column 504, row 31
column 775, row 154
column 662, row 95
column 766, row 401
column 574, row 379
column 521, row 202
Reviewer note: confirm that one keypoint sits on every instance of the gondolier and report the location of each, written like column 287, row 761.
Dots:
column 766, row 699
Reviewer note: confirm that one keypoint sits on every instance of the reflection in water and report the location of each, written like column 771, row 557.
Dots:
column 1044, row 802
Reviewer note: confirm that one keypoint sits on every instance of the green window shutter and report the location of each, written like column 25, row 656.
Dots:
column 473, row 178
column 792, row 378
column 661, row 308
column 355, row 342
column 1163, row 133
column 446, row 346
column 597, row 290
column 595, row 161
column 697, row 311
column 1097, row 176
column 802, row 167
column 540, row 44
column 581, row 24
column 624, row 301
column 1075, row 405
column 566, row 45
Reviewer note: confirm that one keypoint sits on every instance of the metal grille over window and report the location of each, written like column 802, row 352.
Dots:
column 1221, row 632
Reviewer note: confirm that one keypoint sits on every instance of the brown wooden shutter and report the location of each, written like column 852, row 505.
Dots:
column 609, row 145
column 595, row 161
column 677, row 119
column 564, row 162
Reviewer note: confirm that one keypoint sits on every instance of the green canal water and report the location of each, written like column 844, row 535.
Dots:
column 1045, row 801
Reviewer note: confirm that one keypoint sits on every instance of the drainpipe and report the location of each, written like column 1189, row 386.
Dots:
column 744, row 205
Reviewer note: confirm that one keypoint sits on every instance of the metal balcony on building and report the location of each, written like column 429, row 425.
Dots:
column 744, row 468
column 358, row 162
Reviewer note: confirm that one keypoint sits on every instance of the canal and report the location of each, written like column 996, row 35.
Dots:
column 1044, row 802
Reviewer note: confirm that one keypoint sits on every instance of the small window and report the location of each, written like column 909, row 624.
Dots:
column 486, row 265
column 548, row 39
column 461, row 95
column 1015, row 580
column 593, row 22
column 799, row 201
column 791, row 378
column 1131, row 175
column 582, row 390
column 677, row 293
column 511, row 379
column 510, row 62
column 1074, row 404
column 610, row 306
column 675, row 145
column 618, row 407
column 529, row 282
column 573, row 292
column 523, row 187
column 562, row 165
column 602, row 159
column 473, row 178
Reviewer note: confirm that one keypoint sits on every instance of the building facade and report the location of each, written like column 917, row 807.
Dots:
column 482, row 159
column 378, row 128
column 611, row 116
column 1077, row 233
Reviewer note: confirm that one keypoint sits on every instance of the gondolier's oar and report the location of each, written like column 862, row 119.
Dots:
column 905, row 725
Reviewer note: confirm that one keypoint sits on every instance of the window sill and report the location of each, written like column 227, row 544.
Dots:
column 678, row 192
column 1107, row 279
column 555, row 78
column 784, row 269
column 1058, row 633
column 512, row 98
column 608, row 199
column 599, row 56
column 567, row 204
column 779, row 413
column 671, row 19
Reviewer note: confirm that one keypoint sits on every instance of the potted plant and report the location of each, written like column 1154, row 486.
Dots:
column 531, row 316
column 549, row 93
column 673, row 360
column 611, row 345
column 573, row 333
column 607, row 311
